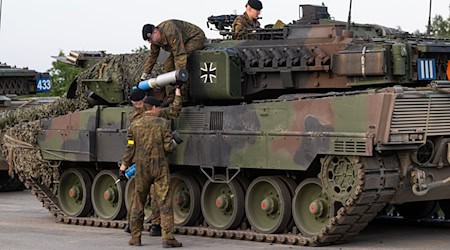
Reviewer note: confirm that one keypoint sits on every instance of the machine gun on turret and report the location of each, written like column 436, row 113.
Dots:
column 222, row 23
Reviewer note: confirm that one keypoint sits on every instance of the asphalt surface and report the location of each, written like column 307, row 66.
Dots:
column 24, row 224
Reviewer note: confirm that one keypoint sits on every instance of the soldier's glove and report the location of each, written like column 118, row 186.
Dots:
column 122, row 176
column 166, row 104
column 144, row 76
column 177, row 138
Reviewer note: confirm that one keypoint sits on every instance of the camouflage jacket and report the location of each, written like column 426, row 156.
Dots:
column 174, row 34
column 149, row 141
column 171, row 112
column 241, row 25
column 136, row 113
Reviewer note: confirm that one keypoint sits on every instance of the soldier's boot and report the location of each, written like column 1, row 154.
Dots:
column 171, row 243
column 135, row 241
column 127, row 229
column 155, row 230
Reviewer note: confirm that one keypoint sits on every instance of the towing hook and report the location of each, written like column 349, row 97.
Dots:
column 423, row 189
column 420, row 190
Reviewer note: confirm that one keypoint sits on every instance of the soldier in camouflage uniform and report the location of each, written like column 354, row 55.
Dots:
column 137, row 99
column 150, row 134
column 246, row 21
column 177, row 37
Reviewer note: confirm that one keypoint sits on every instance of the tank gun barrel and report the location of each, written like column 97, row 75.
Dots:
column 176, row 76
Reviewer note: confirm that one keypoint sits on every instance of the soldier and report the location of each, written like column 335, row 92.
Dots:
column 246, row 21
column 150, row 133
column 177, row 37
column 137, row 99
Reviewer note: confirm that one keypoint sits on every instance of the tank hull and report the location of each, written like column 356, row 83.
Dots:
column 295, row 139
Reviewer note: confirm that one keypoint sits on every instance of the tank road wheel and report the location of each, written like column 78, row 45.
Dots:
column 311, row 207
column 417, row 210
column 74, row 192
column 268, row 204
column 108, row 197
column 185, row 199
column 291, row 185
column 223, row 204
column 129, row 194
column 339, row 176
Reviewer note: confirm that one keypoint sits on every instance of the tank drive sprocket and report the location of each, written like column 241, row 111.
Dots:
column 340, row 176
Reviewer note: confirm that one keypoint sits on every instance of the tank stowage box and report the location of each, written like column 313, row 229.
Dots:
column 215, row 76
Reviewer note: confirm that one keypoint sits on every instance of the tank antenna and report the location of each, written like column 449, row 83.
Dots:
column 429, row 20
column 1, row 2
column 349, row 21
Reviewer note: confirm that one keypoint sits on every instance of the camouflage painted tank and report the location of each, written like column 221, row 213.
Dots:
column 301, row 136
column 16, row 82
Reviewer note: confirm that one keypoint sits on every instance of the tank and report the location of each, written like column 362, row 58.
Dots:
column 301, row 135
column 15, row 82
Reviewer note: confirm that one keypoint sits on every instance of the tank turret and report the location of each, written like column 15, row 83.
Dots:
column 312, row 55
column 22, row 81
column 316, row 54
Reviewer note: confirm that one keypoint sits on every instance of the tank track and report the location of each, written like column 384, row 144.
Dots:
column 377, row 186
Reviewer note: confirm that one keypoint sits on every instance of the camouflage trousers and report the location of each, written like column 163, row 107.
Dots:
column 155, row 217
column 190, row 46
column 162, row 197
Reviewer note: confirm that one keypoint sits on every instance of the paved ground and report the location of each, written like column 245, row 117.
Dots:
column 24, row 224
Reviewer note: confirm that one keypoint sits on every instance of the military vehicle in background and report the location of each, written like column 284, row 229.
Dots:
column 83, row 59
column 299, row 136
column 14, row 83
column 17, row 87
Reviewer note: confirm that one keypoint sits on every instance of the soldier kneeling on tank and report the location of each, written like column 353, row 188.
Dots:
column 181, row 39
column 149, row 142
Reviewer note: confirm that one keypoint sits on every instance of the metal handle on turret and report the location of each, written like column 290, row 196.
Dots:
column 178, row 77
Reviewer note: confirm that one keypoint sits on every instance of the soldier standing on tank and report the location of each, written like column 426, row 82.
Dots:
column 149, row 143
column 247, row 21
column 180, row 38
column 137, row 99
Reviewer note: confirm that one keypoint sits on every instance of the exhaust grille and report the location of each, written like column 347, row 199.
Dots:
column 350, row 146
column 216, row 121
column 429, row 114
column 191, row 120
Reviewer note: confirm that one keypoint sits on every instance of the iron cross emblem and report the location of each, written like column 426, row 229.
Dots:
column 208, row 72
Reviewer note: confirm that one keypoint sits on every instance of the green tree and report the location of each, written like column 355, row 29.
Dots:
column 62, row 75
column 140, row 49
column 441, row 26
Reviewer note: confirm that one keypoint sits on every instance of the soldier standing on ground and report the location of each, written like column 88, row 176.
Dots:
column 137, row 99
column 149, row 142
column 180, row 38
column 246, row 21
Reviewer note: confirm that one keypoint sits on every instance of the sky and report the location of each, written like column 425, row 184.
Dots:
column 32, row 31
